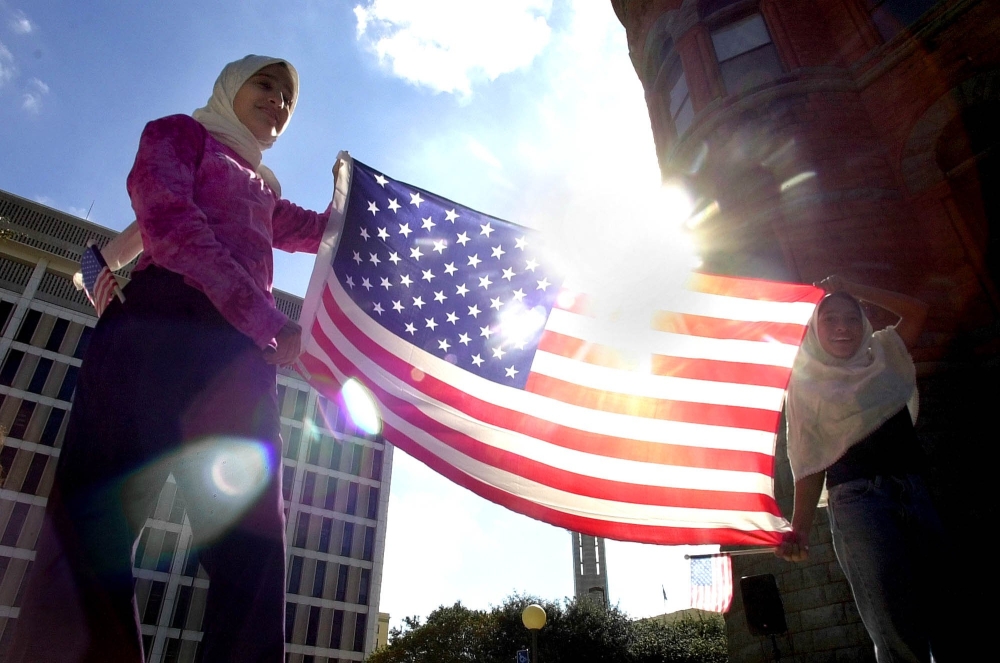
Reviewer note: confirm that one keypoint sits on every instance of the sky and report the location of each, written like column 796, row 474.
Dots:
column 529, row 110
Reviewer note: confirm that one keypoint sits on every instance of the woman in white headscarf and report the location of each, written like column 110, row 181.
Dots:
column 850, row 409
column 180, row 379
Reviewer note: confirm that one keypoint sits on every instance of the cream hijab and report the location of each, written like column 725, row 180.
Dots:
column 834, row 403
column 220, row 119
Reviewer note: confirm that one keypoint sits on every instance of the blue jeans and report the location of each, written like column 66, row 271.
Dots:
column 889, row 541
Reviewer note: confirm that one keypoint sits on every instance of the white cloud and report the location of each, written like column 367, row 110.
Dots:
column 21, row 24
column 7, row 68
column 448, row 45
column 31, row 101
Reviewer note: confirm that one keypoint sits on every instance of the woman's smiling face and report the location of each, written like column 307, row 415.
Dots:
column 839, row 327
column 264, row 102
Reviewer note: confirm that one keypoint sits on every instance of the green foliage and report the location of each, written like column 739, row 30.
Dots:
column 576, row 631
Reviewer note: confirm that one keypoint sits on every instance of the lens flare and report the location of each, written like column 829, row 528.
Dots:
column 239, row 468
column 361, row 407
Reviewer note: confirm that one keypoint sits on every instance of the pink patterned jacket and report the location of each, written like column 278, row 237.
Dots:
column 205, row 214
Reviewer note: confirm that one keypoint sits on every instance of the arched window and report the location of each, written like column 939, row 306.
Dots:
column 747, row 56
column 892, row 16
column 679, row 99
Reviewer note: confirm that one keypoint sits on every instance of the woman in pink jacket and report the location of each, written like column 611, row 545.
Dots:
column 180, row 379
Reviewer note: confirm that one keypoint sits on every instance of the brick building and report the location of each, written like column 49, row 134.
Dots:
column 856, row 137
column 335, row 478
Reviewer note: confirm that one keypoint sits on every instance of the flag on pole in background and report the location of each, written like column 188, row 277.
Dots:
column 712, row 583
column 493, row 371
column 99, row 283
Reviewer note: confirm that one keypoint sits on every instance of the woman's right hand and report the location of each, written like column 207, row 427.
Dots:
column 794, row 546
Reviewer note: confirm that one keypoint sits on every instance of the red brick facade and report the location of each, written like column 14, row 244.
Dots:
column 861, row 139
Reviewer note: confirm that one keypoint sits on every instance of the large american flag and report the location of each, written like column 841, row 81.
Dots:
column 712, row 583
column 491, row 369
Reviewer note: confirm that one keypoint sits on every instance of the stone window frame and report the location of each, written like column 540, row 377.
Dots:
column 725, row 18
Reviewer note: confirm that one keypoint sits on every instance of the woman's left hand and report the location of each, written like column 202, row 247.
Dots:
column 288, row 345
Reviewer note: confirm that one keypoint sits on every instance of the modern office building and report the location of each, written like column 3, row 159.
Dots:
column 590, row 569
column 859, row 138
column 335, row 478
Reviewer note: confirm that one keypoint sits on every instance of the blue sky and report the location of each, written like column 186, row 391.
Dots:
column 525, row 109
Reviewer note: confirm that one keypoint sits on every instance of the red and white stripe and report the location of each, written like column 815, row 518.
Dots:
column 673, row 448
column 104, row 290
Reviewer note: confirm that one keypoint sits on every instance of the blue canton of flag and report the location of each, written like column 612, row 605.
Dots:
column 469, row 288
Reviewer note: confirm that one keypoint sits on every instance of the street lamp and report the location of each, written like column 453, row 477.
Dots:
column 533, row 618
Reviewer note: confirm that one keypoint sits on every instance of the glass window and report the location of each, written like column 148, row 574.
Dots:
column 57, row 335
column 348, row 541
column 302, row 531
column 300, row 405
column 295, row 575
column 312, row 628
column 192, row 564
column 314, row 449
column 14, row 524
column 6, row 461
column 325, row 533
column 153, row 604
column 359, row 631
column 5, row 311
column 22, row 419
column 52, row 425
column 338, row 450
column 282, row 389
column 337, row 630
column 173, row 650
column 10, row 366
column 372, row 502
column 289, row 621
column 287, row 478
column 892, row 16
column 366, row 579
column 84, row 342
column 34, row 475
column 746, row 55
column 28, row 326
column 167, row 550
column 68, row 384
column 377, row 465
column 352, row 498
column 42, row 370
column 308, row 488
column 319, row 579
column 357, row 455
column 182, row 606
column 681, row 110
column 369, row 544
column 294, row 440
column 331, row 493
column 342, row 582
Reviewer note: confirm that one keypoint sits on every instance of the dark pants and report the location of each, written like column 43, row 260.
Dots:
column 167, row 386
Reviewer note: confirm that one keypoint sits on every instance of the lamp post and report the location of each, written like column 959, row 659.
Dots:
column 533, row 618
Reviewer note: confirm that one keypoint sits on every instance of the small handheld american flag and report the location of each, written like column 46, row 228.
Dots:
column 98, row 281
column 712, row 583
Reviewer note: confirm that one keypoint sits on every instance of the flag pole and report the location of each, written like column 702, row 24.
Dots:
column 732, row 553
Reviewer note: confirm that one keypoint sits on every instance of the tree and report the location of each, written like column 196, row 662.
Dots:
column 576, row 631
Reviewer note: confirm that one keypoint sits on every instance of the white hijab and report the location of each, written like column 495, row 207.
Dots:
column 220, row 119
column 834, row 403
